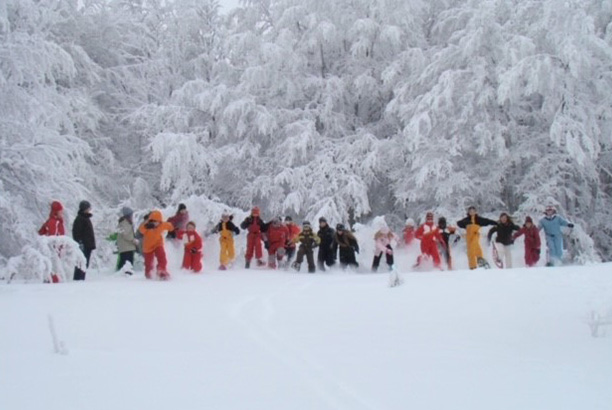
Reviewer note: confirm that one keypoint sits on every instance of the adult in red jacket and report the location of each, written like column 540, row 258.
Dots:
column 533, row 243
column 192, row 259
column 430, row 236
column 54, row 226
column 277, row 237
column 255, row 227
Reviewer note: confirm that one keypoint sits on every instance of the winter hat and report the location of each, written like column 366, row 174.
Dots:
column 471, row 207
column 56, row 206
column 385, row 230
column 306, row 224
column 528, row 219
column 340, row 227
column 84, row 206
column 429, row 216
column 155, row 216
column 288, row 219
column 442, row 222
column 409, row 222
column 127, row 211
column 322, row 219
column 225, row 215
column 182, row 207
column 255, row 211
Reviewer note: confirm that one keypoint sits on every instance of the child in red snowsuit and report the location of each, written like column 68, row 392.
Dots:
column 532, row 242
column 277, row 237
column 54, row 226
column 430, row 236
column 255, row 227
column 294, row 232
column 192, row 259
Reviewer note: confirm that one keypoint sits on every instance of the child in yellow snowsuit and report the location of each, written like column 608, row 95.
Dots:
column 226, row 230
column 472, row 224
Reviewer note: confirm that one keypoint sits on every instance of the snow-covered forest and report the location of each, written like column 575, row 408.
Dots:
column 308, row 108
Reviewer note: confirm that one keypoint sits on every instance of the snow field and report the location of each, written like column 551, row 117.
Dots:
column 276, row 340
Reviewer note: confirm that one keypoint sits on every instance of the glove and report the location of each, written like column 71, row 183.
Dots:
column 194, row 250
column 150, row 225
column 570, row 225
column 457, row 239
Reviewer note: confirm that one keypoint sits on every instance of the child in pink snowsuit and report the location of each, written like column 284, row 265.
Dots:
column 383, row 239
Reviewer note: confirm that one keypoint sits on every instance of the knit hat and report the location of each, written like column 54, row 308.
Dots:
column 182, row 207
column 442, row 222
column 340, row 227
column 322, row 219
column 306, row 224
column 84, row 206
column 528, row 219
column 288, row 219
column 255, row 211
column 126, row 211
column 409, row 222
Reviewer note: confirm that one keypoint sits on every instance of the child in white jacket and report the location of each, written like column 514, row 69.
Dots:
column 383, row 239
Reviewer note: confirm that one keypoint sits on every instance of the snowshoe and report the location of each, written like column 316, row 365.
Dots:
column 498, row 262
column 482, row 263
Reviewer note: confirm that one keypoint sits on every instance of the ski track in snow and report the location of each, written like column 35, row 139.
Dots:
column 254, row 314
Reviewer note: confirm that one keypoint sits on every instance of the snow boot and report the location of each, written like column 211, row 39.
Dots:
column 247, row 264
column 482, row 263
column 223, row 267
column 163, row 275
column 260, row 263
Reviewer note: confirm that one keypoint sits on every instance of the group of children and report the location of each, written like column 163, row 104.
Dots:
column 282, row 238
column 436, row 238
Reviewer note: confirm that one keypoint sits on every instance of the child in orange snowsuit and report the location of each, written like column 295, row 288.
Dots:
column 192, row 259
column 153, row 244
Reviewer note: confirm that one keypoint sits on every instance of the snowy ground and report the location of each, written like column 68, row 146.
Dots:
column 515, row 339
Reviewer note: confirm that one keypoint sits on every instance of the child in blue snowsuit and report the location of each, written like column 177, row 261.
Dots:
column 551, row 224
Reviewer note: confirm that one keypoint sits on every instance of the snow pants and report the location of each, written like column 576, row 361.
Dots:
column 505, row 254
column 377, row 258
column 125, row 257
column 555, row 247
column 474, row 251
column 532, row 256
column 309, row 253
column 430, row 248
column 347, row 257
column 192, row 261
column 228, row 251
column 160, row 254
column 325, row 257
column 254, row 246
column 79, row 274
column 276, row 252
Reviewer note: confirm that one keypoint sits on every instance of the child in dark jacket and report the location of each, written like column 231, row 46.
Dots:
column 532, row 242
column 346, row 243
column 504, row 240
column 83, row 234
